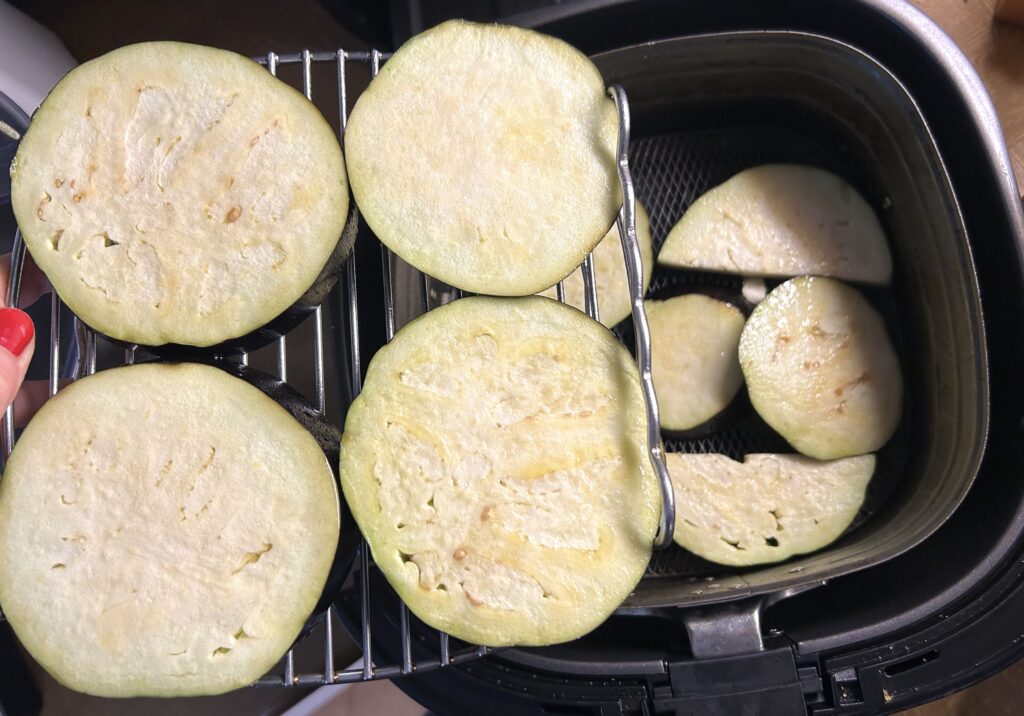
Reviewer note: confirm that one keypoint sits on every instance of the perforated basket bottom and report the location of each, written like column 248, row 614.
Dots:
column 670, row 171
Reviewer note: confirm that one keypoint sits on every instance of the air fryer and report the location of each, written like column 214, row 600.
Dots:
column 925, row 593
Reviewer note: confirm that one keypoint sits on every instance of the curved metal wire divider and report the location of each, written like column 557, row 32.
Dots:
column 86, row 341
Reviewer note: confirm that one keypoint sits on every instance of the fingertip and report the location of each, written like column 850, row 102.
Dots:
column 16, row 331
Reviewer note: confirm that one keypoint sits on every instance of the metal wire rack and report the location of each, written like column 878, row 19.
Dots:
column 86, row 342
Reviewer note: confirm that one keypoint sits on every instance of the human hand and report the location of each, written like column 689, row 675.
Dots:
column 17, row 342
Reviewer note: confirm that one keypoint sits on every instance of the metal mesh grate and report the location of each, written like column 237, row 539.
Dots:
column 423, row 657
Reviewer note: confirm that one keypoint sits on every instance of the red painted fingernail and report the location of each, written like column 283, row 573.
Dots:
column 16, row 330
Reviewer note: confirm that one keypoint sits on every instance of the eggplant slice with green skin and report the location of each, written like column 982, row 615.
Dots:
column 180, row 194
column 782, row 220
column 496, row 462
column 614, row 302
column 766, row 508
column 694, row 344
column 167, row 545
column 484, row 155
column 821, row 369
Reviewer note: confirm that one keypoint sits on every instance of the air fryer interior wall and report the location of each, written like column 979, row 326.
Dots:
column 809, row 98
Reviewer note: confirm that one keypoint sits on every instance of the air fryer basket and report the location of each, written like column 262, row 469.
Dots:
column 706, row 107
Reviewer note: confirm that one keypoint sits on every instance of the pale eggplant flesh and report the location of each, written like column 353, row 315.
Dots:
column 694, row 345
column 821, row 369
column 496, row 463
column 498, row 179
column 765, row 508
column 109, row 527
column 175, row 193
column 286, row 321
column 782, row 220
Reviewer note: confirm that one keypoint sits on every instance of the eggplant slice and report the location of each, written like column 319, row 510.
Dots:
column 821, row 370
column 171, row 546
column 614, row 302
column 179, row 194
column 496, row 462
column 694, row 344
column 766, row 508
column 484, row 155
column 782, row 220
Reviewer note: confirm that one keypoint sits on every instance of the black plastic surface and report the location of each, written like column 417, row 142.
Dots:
column 763, row 683
column 19, row 695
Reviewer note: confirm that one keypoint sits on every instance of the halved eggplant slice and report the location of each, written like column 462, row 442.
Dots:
column 694, row 344
column 496, row 463
column 175, row 193
column 766, row 508
column 613, row 300
column 782, row 220
column 821, row 370
column 484, row 155
column 172, row 541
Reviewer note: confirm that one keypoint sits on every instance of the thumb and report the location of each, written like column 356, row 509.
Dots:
column 17, row 343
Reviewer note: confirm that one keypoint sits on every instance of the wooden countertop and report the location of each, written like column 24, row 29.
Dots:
column 996, row 49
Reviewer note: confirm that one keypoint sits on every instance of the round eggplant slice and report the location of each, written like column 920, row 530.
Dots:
column 172, row 541
column 484, row 155
column 821, row 370
column 694, row 344
column 613, row 300
column 782, row 220
column 175, row 193
column 496, row 462
column 766, row 508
